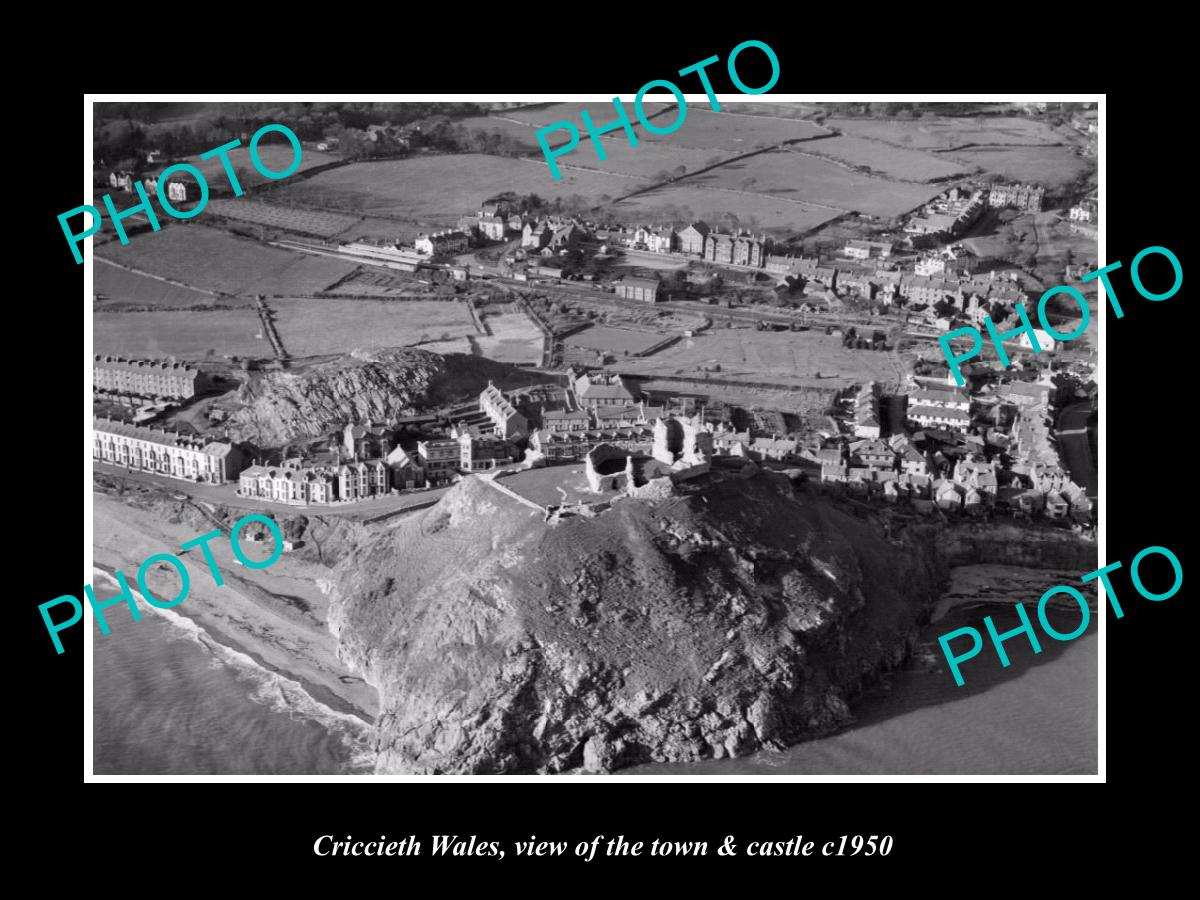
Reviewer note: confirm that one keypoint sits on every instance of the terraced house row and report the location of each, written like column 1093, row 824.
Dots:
column 146, row 377
column 165, row 452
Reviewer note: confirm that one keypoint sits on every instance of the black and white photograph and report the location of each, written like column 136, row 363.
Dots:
column 722, row 435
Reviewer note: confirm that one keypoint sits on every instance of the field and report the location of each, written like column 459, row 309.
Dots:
column 521, row 133
column 319, row 327
column 892, row 162
column 602, row 112
column 780, row 357
column 274, row 156
column 798, row 176
column 213, row 260
column 185, row 335
column 306, row 221
column 778, row 110
column 646, row 160
column 617, row 340
column 772, row 213
column 440, row 189
column 120, row 286
column 931, row 132
column 514, row 339
column 1051, row 166
column 727, row 131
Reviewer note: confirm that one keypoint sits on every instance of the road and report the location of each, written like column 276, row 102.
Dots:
column 1076, row 451
column 226, row 494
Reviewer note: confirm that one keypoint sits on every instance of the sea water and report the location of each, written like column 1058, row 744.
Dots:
column 169, row 699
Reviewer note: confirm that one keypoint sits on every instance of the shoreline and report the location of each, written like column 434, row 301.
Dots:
column 320, row 693
column 276, row 617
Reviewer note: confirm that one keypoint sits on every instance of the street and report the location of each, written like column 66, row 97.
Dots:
column 1072, row 434
column 226, row 494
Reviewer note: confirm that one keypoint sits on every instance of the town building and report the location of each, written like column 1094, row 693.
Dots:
column 482, row 452
column 596, row 389
column 1026, row 394
column 560, row 420
column 440, row 459
column 406, row 470
column 506, row 421
column 573, row 445
column 1081, row 213
column 441, row 242
column 691, row 240
column 289, row 483
column 867, row 249
column 170, row 453
column 633, row 288
column 1023, row 196
column 366, row 441
column 122, row 180
column 866, row 412
column 146, row 377
column 363, row 480
column 182, row 190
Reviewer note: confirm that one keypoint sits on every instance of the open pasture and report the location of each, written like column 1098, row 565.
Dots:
column 798, row 176
column 891, row 162
column 438, row 190
column 305, row 221
column 774, row 214
column 184, row 335
column 214, row 260
column 618, row 341
column 1049, row 166
column 273, row 150
column 763, row 356
column 936, row 132
column 117, row 285
column 320, row 327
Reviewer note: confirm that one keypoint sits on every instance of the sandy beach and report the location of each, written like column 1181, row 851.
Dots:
column 276, row 616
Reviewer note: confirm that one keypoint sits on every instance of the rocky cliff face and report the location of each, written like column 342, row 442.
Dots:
column 1027, row 545
column 366, row 386
column 710, row 624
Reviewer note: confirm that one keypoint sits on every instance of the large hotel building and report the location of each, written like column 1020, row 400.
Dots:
column 165, row 452
column 145, row 377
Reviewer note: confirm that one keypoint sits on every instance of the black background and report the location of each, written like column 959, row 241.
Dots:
column 983, row 833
